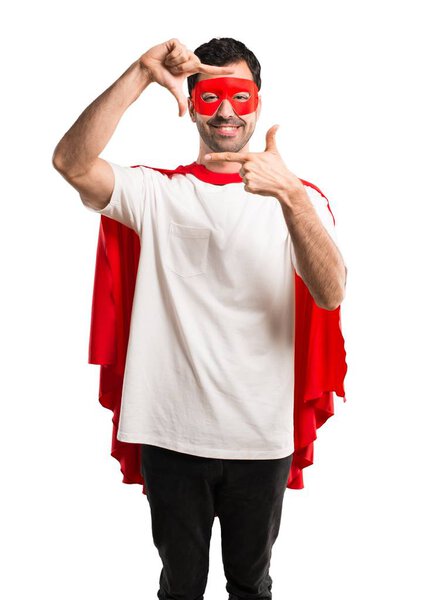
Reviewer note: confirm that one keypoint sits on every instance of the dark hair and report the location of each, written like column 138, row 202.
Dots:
column 224, row 51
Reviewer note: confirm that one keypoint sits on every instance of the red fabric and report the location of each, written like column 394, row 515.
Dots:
column 319, row 355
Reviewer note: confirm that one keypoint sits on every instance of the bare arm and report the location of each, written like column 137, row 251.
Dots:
column 320, row 262
column 76, row 156
column 90, row 133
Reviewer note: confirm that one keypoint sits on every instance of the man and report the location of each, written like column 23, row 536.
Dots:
column 208, row 390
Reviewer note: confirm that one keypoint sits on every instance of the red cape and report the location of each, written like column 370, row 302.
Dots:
column 319, row 354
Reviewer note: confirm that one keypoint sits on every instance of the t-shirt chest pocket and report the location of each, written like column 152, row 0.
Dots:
column 187, row 249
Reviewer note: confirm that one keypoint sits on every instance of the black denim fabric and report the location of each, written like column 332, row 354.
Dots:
column 184, row 494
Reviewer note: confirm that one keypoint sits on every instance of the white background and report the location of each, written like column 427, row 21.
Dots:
column 356, row 90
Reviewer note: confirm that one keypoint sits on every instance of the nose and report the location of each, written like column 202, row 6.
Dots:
column 225, row 109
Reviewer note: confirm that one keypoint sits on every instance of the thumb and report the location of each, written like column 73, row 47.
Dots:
column 271, row 144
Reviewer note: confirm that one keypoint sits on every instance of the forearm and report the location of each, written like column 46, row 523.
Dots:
column 319, row 261
column 91, row 132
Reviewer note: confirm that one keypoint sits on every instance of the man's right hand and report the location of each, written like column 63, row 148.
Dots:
column 170, row 63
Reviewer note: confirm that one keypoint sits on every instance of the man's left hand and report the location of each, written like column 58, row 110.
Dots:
column 263, row 173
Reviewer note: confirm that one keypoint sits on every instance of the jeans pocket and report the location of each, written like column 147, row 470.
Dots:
column 187, row 249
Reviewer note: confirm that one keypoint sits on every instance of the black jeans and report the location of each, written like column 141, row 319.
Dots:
column 185, row 492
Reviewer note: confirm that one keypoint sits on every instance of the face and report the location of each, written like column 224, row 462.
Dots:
column 209, row 125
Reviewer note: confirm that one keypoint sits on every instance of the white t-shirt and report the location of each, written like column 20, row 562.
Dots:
column 210, row 361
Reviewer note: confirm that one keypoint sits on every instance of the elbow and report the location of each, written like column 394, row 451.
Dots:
column 333, row 301
column 61, row 160
column 331, row 306
column 57, row 162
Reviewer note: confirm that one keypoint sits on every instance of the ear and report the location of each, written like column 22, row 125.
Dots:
column 191, row 109
column 259, row 106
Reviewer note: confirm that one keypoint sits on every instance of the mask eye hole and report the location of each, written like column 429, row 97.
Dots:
column 240, row 96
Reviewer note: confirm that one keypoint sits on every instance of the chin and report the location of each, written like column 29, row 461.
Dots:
column 227, row 146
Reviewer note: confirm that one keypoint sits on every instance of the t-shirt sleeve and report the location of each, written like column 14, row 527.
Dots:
column 321, row 206
column 127, row 203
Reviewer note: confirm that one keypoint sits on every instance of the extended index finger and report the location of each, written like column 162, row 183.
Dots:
column 228, row 156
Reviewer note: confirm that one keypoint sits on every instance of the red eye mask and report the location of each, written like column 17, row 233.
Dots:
column 225, row 87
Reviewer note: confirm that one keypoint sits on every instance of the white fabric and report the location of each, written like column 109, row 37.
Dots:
column 210, row 364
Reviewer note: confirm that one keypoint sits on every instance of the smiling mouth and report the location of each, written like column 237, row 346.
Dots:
column 227, row 129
